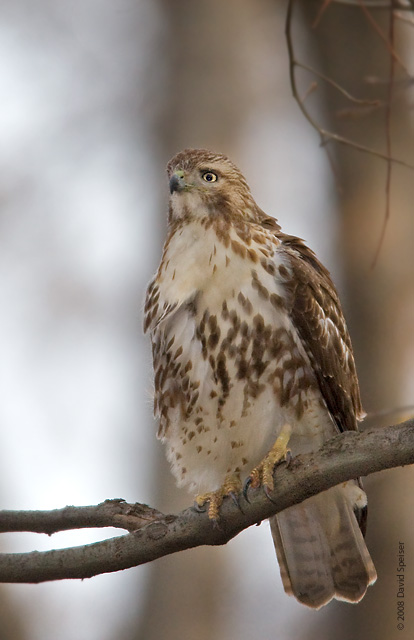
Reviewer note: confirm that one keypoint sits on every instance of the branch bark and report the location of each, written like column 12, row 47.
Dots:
column 153, row 535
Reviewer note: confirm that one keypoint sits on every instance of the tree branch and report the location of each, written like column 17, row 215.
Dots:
column 111, row 513
column 153, row 535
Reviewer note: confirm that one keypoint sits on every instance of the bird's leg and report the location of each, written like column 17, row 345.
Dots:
column 262, row 475
column 231, row 487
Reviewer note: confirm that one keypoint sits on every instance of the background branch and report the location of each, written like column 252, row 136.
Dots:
column 325, row 135
column 346, row 456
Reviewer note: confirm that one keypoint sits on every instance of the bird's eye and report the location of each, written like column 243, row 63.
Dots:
column 209, row 176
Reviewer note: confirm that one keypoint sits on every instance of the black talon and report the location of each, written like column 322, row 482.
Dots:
column 236, row 500
column 246, row 485
column 199, row 508
column 267, row 494
column 288, row 457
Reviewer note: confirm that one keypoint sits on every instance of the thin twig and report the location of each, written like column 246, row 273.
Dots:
column 325, row 135
column 320, row 13
column 388, row 124
column 375, row 4
column 388, row 43
column 404, row 411
column 335, row 85
column 405, row 19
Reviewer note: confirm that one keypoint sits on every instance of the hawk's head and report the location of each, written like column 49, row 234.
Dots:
column 203, row 183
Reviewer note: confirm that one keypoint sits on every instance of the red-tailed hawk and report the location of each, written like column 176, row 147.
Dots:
column 251, row 352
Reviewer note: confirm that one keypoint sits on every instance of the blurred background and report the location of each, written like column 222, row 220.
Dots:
column 95, row 97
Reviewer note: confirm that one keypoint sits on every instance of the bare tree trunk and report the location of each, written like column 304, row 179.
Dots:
column 378, row 301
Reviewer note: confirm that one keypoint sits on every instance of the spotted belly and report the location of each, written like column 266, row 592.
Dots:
column 226, row 382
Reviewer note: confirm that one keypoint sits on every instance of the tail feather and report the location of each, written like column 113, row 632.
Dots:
column 321, row 550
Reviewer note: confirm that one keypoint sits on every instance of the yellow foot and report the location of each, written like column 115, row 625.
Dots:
column 262, row 475
column 231, row 487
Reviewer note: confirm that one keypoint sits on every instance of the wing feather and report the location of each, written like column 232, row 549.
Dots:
column 317, row 314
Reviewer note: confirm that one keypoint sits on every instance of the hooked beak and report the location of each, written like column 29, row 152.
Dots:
column 177, row 182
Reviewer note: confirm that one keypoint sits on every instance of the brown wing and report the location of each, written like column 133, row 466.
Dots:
column 317, row 315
